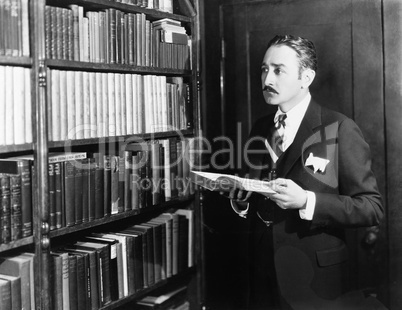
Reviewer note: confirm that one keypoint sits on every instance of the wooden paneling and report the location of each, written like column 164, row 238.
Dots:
column 393, row 115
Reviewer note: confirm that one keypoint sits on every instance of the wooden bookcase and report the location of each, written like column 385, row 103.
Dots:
column 41, row 66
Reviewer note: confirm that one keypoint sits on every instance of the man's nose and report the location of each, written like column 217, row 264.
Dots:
column 268, row 78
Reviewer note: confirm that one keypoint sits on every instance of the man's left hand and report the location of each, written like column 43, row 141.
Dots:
column 288, row 194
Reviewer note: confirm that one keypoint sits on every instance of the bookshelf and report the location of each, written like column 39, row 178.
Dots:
column 131, row 88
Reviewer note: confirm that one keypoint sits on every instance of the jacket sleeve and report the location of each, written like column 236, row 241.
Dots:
column 358, row 203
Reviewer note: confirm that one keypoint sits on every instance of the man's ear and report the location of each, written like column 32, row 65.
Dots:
column 308, row 76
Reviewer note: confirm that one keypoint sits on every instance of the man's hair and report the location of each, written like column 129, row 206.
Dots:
column 304, row 48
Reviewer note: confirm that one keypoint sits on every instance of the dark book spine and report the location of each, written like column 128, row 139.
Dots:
column 5, row 210
column 16, row 208
column 148, row 185
column 182, row 257
column 107, row 181
column 81, row 283
column 58, row 194
column 72, row 276
column 141, row 279
column 69, row 189
column 52, row 197
column 121, row 184
column 99, row 185
column 26, row 196
column 135, row 183
column 91, row 189
column 85, row 190
column 162, row 172
column 127, row 181
column 173, row 165
column 78, row 183
column 111, row 13
column 114, row 170
column 118, row 15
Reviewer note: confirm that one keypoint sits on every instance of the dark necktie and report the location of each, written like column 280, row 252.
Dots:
column 275, row 138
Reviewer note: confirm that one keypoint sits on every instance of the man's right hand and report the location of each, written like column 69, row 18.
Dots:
column 237, row 194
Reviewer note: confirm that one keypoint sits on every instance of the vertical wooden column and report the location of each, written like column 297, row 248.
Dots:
column 41, row 206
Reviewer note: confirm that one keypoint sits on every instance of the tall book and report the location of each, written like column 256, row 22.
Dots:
column 94, row 277
column 104, row 258
column 23, row 168
column 15, row 286
column 99, row 185
column 5, row 294
column 18, row 266
column 5, row 208
column 69, row 190
column 15, row 202
column 122, row 253
column 114, row 282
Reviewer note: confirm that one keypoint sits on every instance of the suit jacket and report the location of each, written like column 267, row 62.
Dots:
column 310, row 257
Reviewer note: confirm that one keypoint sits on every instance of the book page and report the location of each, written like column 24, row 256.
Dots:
column 226, row 182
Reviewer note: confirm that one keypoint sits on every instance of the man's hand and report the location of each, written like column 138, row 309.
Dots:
column 288, row 194
column 237, row 194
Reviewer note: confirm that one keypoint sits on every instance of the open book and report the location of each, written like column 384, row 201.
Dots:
column 225, row 182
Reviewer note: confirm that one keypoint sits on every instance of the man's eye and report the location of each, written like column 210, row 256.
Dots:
column 278, row 71
column 263, row 69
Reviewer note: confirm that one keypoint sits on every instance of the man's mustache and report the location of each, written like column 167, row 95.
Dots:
column 270, row 89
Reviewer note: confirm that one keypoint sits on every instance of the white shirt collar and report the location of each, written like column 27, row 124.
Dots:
column 295, row 115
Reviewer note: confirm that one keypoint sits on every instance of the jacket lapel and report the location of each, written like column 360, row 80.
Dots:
column 311, row 120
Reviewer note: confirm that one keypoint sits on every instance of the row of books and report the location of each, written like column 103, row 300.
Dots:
column 160, row 5
column 17, row 289
column 15, row 105
column 84, row 187
column 14, row 28
column 112, row 36
column 106, row 266
column 99, row 104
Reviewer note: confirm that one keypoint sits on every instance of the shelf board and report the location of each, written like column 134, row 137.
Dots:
column 152, row 14
column 143, row 292
column 15, row 61
column 16, row 148
column 121, row 139
column 106, row 67
column 16, row 244
column 115, row 217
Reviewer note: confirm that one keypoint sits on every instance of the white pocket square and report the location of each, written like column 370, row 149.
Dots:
column 318, row 163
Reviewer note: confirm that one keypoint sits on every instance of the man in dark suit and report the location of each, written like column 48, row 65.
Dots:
column 319, row 166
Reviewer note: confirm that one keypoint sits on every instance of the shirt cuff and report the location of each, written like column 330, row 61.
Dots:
column 308, row 212
column 241, row 213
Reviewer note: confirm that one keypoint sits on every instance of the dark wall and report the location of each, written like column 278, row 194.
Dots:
column 225, row 247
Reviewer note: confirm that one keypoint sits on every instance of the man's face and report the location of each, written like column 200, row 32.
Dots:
column 281, row 83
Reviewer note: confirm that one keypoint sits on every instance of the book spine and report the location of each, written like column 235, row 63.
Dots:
column 127, row 181
column 121, row 183
column 16, row 208
column 5, row 294
column 58, row 194
column 26, row 197
column 114, row 171
column 72, row 276
column 85, row 190
column 78, row 191
column 107, row 178
column 99, row 185
column 69, row 188
column 91, row 189
column 52, row 197
column 5, row 209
